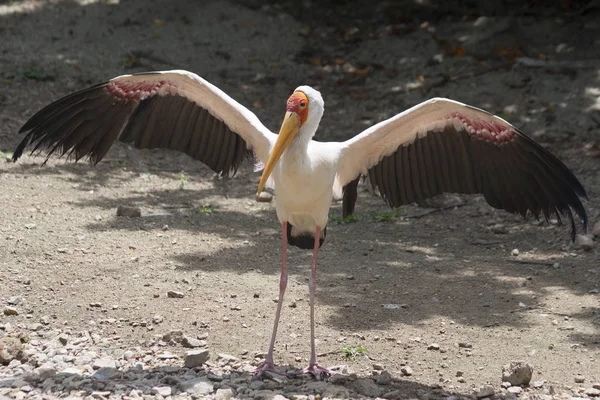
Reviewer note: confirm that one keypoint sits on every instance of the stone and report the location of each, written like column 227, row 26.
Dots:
column 517, row 373
column 596, row 229
column 264, row 197
column 515, row 389
column 336, row 392
column 10, row 349
column 195, row 358
column 227, row 358
column 9, row 310
column 384, row 378
column 129, row 212
column 45, row 371
column 198, row 386
column 485, row 391
column 367, row 387
column 191, row 342
column 433, row 346
column 406, row 370
column 224, row 394
column 515, row 252
column 175, row 294
column 104, row 362
column 592, row 392
column 341, row 379
column 584, row 242
column 163, row 391
column 63, row 338
column 579, row 379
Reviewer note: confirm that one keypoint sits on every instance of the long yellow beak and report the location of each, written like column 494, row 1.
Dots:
column 287, row 133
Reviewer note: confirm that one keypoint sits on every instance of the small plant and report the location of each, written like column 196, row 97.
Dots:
column 181, row 181
column 34, row 74
column 6, row 155
column 385, row 216
column 353, row 352
column 339, row 220
column 207, row 209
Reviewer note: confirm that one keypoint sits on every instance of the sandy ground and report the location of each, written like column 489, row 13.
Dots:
column 454, row 276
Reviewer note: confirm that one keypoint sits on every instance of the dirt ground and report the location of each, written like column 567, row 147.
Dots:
column 391, row 284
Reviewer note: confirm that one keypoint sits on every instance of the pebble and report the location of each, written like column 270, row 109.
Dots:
column 515, row 252
column 197, row 386
column 517, row 373
column 406, row 370
column 129, row 212
column 8, row 310
column 195, row 358
column 515, row 389
column 104, row 362
column 224, row 394
column 433, row 346
column 592, row 392
column 584, row 242
column 596, row 229
column 10, row 349
column 579, row 379
column 175, row 294
column 264, row 197
column 163, row 391
column 485, row 391
column 191, row 342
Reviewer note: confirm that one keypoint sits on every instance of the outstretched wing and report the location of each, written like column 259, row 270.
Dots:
column 444, row 146
column 175, row 110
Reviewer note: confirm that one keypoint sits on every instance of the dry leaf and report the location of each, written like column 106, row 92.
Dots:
column 459, row 51
column 158, row 22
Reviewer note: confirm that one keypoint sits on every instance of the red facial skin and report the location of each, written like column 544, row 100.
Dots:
column 298, row 103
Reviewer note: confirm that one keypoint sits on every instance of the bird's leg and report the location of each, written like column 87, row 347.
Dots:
column 314, row 368
column 268, row 364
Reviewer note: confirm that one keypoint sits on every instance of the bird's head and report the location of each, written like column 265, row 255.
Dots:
column 304, row 110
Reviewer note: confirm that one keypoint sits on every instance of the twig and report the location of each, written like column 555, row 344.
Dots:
column 517, row 261
column 558, row 65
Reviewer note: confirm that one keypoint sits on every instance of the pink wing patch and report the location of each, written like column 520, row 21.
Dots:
column 490, row 131
column 124, row 90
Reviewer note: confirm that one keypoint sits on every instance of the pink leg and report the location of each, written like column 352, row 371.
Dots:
column 313, row 367
column 268, row 364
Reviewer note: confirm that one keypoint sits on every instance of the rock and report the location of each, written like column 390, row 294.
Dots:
column 341, row 379
column 538, row 384
column 10, row 349
column 129, row 212
column 592, row 392
column 63, row 338
column 264, row 197
column 499, row 229
column 596, row 229
column 515, row 389
column 367, row 387
column 579, row 379
column 175, row 294
column 227, row 358
column 336, row 392
column 485, row 391
column 584, row 242
column 515, row 252
column 433, row 346
column 517, row 373
column 104, row 362
column 157, row 319
column 385, row 378
column 197, row 386
column 195, row 358
column 406, row 370
column 223, row 394
column 45, row 371
column 191, row 342
column 8, row 310
column 163, row 391
column 378, row 367
column 459, row 373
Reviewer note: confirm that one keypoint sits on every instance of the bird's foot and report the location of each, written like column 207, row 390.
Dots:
column 317, row 371
column 265, row 366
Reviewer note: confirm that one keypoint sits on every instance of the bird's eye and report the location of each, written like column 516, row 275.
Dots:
column 302, row 104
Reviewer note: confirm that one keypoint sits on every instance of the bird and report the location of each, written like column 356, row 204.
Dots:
column 438, row 146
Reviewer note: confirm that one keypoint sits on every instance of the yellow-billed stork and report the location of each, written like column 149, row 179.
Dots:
column 435, row 147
